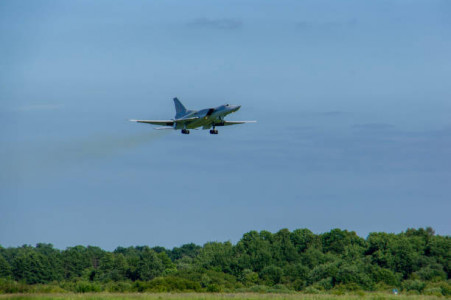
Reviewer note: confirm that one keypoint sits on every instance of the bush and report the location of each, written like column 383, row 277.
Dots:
column 413, row 285
column 386, row 276
column 119, row 287
column 325, row 284
column 248, row 277
column 167, row 284
column 8, row 286
column 254, row 289
column 271, row 274
column 413, row 292
column 354, row 276
column 435, row 291
column 47, row 289
column 432, row 272
column 87, row 287
column 338, row 292
column 351, row 287
column 311, row 290
column 360, row 293
column 214, row 288
column 280, row 289
column 384, row 287
column 432, row 287
column 222, row 280
column 298, row 284
column 446, row 288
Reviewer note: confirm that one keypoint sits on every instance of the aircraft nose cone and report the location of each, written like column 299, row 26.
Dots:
column 237, row 107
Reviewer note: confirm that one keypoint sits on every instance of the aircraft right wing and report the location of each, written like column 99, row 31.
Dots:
column 166, row 122
column 156, row 122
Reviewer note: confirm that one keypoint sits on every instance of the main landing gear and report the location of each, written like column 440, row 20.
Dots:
column 213, row 131
column 185, row 131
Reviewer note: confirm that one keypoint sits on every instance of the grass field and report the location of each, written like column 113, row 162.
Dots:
column 201, row 296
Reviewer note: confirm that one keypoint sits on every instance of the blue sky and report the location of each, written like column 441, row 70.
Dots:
column 352, row 98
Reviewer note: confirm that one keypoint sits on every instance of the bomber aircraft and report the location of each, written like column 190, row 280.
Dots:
column 186, row 119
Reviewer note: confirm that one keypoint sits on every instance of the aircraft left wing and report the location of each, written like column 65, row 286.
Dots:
column 227, row 123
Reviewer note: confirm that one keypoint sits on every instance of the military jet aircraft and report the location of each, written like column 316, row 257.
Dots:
column 186, row 119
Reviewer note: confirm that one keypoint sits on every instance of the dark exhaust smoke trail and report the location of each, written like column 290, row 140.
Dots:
column 32, row 162
column 106, row 145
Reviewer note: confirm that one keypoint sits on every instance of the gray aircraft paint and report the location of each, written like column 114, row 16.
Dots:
column 190, row 119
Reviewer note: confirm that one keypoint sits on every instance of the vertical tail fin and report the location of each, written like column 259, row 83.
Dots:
column 180, row 109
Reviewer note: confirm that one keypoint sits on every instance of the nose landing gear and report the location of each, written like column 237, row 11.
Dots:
column 185, row 131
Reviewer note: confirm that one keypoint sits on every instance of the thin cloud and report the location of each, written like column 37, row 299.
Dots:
column 222, row 24
column 326, row 25
column 373, row 126
column 34, row 107
column 331, row 113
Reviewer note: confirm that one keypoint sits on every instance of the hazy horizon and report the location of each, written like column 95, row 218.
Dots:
column 352, row 101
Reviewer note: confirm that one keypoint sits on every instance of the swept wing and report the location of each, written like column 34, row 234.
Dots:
column 156, row 122
column 227, row 123
column 166, row 122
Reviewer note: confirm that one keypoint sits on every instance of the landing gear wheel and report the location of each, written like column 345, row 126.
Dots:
column 213, row 131
column 185, row 131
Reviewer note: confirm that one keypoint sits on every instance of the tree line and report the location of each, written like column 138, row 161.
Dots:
column 414, row 261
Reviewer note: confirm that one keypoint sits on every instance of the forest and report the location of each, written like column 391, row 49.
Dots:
column 416, row 261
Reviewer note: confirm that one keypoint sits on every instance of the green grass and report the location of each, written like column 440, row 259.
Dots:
column 208, row 296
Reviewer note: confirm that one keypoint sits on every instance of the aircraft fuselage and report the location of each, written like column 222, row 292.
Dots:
column 186, row 119
column 206, row 118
